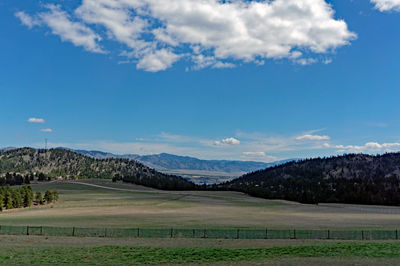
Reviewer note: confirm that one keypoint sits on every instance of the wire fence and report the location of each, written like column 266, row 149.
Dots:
column 201, row 233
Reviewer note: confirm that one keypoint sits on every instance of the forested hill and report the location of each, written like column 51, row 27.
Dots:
column 62, row 163
column 354, row 178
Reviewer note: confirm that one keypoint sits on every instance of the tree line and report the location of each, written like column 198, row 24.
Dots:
column 24, row 197
column 17, row 179
column 158, row 181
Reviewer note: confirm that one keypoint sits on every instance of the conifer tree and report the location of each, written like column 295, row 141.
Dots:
column 39, row 198
column 48, row 196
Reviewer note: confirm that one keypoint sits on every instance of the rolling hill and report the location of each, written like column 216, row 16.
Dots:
column 353, row 178
column 66, row 164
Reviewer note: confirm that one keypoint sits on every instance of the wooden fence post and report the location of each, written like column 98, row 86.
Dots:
column 73, row 231
column 266, row 233
column 27, row 230
column 237, row 234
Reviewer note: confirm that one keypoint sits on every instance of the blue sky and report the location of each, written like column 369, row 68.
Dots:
column 245, row 80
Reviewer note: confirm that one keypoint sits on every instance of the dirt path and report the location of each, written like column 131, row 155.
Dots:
column 112, row 188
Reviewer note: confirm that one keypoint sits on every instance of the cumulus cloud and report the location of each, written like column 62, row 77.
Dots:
column 206, row 33
column 27, row 20
column 157, row 60
column 36, row 120
column 369, row 147
column 312, row 137
column 61, row 24
column 47, row 130
column 387, row 5
column 227, row 141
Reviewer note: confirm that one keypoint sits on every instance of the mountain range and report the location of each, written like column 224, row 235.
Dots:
column 197, row 170
column 351, row 178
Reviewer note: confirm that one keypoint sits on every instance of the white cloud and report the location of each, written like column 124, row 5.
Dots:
column 227, row 141
column 258, row 155
column 387, row 5
column 47, row 130
column 157, row 60
column 312, row 137
column 208, row 33
column 369, row 147
column 254, row 153
column 27, row 20
column 36, row 120
column 61, row 24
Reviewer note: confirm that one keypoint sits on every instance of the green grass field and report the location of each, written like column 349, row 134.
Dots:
column 101, row 203
column 129, row 255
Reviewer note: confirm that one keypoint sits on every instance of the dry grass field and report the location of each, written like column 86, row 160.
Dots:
column 101, row 203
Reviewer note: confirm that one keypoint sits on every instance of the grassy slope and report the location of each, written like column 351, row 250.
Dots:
column 113, row 255
column 85, row 206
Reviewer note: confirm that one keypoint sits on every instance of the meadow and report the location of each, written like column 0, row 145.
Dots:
column 102, row 203
column 37, row 251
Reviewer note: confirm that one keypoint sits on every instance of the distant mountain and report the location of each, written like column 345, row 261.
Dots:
column 7, row 149
column 165, row 161
column 353, row 178
column 63, row 163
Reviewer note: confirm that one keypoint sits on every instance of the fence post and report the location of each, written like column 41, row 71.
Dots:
column 237, row 234
column 41, row 230
column 138, row 232
column 329, row 234
column 204, row 233
column 27, row 230
column 105, row 232
column 266, row 233
column 194, row 233
column 362, row 234
column 172, row 232
column 73, row 231
column 397, row 234
column 294, row 233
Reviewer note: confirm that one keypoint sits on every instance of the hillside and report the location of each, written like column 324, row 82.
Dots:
column 62, row 163
column 354, row 178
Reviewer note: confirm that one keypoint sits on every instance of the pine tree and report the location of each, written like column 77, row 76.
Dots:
column 28, row 196
column 1, row 202
column 48, row 197
column 55, row 195
column 8, row 202
column 16, row 198
column 38, row 198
